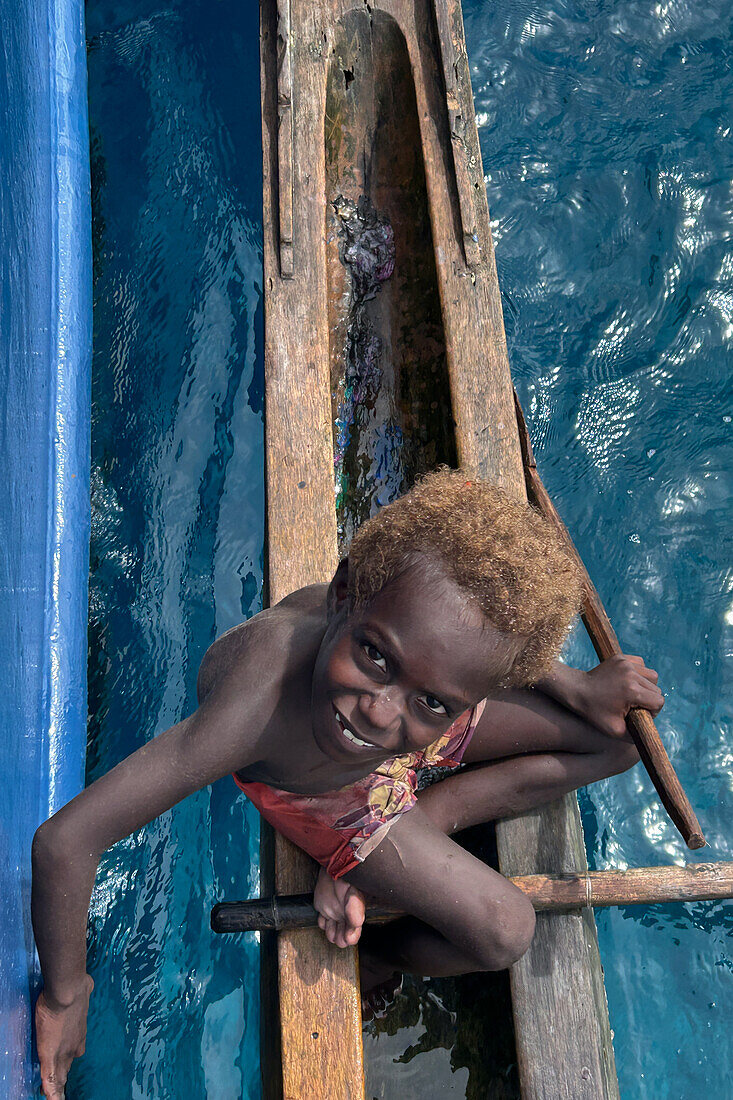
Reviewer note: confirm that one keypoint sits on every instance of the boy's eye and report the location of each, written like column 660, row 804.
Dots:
column 434, row 705
column 375, row 656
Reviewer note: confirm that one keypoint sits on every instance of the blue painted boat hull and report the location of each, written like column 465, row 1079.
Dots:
column 45, row 363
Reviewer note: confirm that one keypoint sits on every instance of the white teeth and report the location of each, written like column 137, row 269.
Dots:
column 352, row 736
column 357, row 740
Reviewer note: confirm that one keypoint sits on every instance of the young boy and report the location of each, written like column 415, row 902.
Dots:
column 326, row 706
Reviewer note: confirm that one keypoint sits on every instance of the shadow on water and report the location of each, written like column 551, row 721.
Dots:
column 452, row 1035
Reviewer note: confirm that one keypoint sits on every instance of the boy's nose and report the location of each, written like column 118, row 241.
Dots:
column 381, row 709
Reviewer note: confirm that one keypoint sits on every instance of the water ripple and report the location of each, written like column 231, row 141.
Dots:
column 177, row 503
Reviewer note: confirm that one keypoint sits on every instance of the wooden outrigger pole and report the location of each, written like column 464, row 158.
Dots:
column 548, row 893
column 369, row 136
column 639, row 722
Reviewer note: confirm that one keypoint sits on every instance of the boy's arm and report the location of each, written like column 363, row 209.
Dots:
column 66, row 850
column 605, row 694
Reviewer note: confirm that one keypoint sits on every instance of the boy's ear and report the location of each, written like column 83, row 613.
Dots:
column 338, row 589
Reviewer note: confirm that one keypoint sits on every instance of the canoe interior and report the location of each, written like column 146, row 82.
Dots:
column 391, row 396
column 393, row 420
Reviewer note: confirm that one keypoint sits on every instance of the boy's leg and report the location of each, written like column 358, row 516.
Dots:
column 465, row 916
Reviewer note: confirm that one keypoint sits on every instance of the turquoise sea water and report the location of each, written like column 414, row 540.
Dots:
column 178, row 515
column 606, row 138
column 605, row 133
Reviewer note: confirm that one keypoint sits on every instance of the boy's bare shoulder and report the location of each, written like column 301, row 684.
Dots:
column 310, row 598
column 265, row 644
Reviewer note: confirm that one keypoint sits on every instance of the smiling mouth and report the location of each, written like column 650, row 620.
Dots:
column 350, row 736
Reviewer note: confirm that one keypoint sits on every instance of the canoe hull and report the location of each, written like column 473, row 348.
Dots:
column 384, row 354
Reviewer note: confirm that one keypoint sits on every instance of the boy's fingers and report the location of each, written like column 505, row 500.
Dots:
column 648, row 699
column 653, row 692
column 52, row 1087
column 342, row 935
column 355, row 910
column 341, row 940
column 337, row 934
column 353, row 935
column 641, row 670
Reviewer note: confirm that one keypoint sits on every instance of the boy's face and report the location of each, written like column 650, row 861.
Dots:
column 391, row 678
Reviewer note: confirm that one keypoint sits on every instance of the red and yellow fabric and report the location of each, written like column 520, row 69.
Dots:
column 340, row 828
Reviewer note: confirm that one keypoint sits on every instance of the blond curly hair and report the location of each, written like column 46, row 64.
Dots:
column 501, row 552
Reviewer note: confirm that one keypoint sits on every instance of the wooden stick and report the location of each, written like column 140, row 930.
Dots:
column 548, row 893
column 639, row 722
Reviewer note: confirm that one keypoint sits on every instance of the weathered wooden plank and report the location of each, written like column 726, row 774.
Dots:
column 319, row 1005
column 387, row 345
column 475, row 342
column 558, row 1001
column 456, row 127
column 285, row 138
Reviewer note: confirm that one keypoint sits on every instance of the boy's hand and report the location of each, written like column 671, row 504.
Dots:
column 60, row 1038
column 340, row 910
column 611, row 689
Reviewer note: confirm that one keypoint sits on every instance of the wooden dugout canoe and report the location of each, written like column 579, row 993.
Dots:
column 384, row 355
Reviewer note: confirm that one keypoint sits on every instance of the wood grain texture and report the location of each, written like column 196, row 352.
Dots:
column 558, row 1000
column 319, row 1005
column 457, row 129
column 285, row 137
column 632, row 886
column 391, row 398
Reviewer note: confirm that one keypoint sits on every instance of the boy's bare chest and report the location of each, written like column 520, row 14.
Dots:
column 292, row 762
column 278, row 700
column 303, row 785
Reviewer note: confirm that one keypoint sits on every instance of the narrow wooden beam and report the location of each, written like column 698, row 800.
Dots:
column 456, row 126
column 285, row 138
column 548, row 893
column 310, row 987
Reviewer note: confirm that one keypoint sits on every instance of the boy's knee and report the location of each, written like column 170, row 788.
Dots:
column 505, row 942
column 519, row 933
